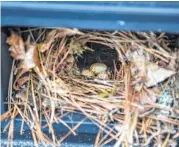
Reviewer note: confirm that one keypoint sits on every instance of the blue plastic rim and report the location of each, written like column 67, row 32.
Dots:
column 134, row 16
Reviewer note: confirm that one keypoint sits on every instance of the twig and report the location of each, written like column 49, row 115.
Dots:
column 31, row 35
column 40, row 36
column 6, row 115
column 96, row 144
column 73, row 129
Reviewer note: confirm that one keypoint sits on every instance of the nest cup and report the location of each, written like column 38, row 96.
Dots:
column 53, row 85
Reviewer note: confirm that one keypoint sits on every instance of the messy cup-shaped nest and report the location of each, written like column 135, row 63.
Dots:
column 128, row 79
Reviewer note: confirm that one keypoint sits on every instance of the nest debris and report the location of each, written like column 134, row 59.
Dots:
column 137, row 91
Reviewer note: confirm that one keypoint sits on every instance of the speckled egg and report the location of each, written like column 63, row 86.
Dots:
column 87, row 73
column 97, row 68
column 103, row 75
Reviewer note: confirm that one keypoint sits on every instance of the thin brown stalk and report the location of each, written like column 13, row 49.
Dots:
column 25, row 105
column 155, row 54
column 24, row 116
column 66, row 125
column 40, row 36
column 73, row 129
column 172, row 121
column 6, row 115
column 103, row 140
column 60, row 50
column 65, row 56
column 96, row 144
column 93, row 119
column 34, row 99
column 166, row 141
column 32, row 36
column 11, row 128
column 61, row 116
column 34, row 138
column 10, row 85
column 50, row 127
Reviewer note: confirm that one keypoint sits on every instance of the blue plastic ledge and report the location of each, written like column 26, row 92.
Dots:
column 135, row 16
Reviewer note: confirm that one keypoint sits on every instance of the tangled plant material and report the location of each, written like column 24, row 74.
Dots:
column 48, row 82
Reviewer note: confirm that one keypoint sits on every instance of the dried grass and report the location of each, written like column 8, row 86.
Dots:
column 56, row 84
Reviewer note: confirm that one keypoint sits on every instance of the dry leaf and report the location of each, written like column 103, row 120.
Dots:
column 48, row 41
column 157, row 74
column 153, row 73
column 172, row 63
column 23, row 96
column 149, row 97
column 58, row 87
column 22, row 81
column 31, row 57
column 18, row 76
column 145, row 98
column 57, row 33
column 70, row 59
column 30, row 61
column 17, row 48
column 139, row 58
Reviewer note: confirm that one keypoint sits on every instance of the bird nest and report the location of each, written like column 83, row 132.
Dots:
column 129, row 79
